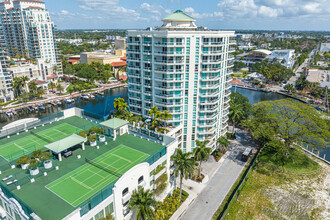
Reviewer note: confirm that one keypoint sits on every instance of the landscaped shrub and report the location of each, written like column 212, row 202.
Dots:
column 34, row 163
column 23, row 160
column 169, row 205
column 159, row 168
column 83, row 133
column 37, row 154
column 161, row 184
column 92, row 138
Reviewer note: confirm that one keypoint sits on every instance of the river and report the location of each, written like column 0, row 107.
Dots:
column 102, row 105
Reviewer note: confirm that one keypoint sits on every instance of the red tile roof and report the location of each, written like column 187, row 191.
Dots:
column 6, row 2
column 124, row 58
column 118, row 64
column 53, row 76
column 123, row 77
column 40, row 82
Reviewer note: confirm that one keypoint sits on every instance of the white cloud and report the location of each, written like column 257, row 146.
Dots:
column 191, row 11
column 274, row 8
column 269, row 12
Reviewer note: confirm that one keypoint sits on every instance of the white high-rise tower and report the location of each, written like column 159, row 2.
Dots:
column 185, row 70
column 28, row 29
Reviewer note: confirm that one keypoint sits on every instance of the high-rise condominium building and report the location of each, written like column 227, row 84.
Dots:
column 28, row 29
column 185, row 70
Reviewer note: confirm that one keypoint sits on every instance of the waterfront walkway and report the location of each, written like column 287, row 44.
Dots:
column 204, row 199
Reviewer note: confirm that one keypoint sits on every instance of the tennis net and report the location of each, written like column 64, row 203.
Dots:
column 102, row 167
column 41, row 137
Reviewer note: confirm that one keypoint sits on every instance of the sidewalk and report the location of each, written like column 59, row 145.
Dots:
column 194, row 188
column 206, row 200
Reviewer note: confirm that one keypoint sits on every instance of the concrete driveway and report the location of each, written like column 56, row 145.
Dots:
column 207, row 202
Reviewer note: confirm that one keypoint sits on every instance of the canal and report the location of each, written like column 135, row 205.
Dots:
column 103, row 105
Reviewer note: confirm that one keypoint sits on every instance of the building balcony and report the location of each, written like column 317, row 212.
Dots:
column 168, row 103
column 211, row 70
column 207, row 124
column 168, row 96
column 225, row 119
column 214, row 86
column 209, row 94
column 159, row 87
column 210, row 78
column 207, row 132
column 225, row 113
column 211, row 61
column 228, row 86
column 168, row 79
column 133, row 51
column 213, row 43
column 226, row 100
column 227, row 93
column 226, row 106
column 229, row 79
column 168, row 44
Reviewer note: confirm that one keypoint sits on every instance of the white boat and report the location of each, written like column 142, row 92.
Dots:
column 9, row 113
column 92, row 96
column 69, row 101
column 58, row 103
column 86, row 97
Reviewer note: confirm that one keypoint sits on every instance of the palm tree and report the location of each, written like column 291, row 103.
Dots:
column 52, row 86
column 41, row 92
column 223, row 142
column 60, row 88
column 165, row 116
column 201, row 153
column 24, row 80
column 235, row 114
column 17, row 85
column 33, row 87
column 120, row 104
column 143, row 201
column 153, row 112
column 184, row 165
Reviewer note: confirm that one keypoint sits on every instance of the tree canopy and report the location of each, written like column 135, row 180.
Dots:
column 287, row 122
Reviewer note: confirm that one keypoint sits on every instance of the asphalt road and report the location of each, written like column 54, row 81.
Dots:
column 208, row 201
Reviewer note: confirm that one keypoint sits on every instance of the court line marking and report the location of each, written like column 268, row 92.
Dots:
column 61, row 132
column 81, row 183
column 75, row 173
column 99, row 183
column 105, row 180
column 122, row 158
column 20, row 147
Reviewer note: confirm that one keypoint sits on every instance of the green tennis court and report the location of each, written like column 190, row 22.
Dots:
column 82, row 183
column 28, row 144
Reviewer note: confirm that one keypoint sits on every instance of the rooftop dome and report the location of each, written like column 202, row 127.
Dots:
column 178, row 21
column 179, row 15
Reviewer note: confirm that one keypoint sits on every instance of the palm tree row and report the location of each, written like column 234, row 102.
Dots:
column 158, row 116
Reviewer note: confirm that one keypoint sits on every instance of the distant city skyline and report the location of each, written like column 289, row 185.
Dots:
column 214, row 14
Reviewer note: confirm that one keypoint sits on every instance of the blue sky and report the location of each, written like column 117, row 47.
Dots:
column 215, row 14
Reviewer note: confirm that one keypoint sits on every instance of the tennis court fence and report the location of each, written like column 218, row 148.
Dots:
column 30, row 125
